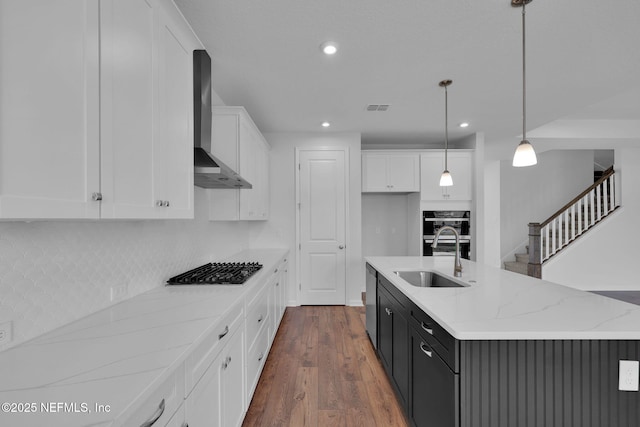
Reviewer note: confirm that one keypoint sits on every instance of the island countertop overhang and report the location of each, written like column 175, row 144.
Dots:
column 500, row 305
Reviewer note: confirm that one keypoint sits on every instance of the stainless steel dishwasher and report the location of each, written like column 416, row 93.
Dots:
column 371, row 299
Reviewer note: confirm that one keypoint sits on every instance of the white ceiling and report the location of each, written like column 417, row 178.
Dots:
column 583, row 62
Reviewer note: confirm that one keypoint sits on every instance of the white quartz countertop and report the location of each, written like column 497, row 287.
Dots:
column 118, row 355
column 499, row 304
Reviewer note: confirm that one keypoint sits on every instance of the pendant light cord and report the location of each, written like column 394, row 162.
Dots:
column 446, row 127
column 524, row 77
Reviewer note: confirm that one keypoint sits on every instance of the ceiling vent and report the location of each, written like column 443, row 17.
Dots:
column 378, row 107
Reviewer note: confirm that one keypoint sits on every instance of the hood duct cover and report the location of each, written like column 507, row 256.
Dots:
column 209, row 172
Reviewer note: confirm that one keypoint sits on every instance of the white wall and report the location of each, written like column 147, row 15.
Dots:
column 384, row 224
column 280, row 231
column 52, row 273
column 606, row 258
column 532, row 194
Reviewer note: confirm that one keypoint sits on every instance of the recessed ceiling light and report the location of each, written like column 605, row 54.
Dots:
column 329, row 48
column 326, row 124
column 464, row 124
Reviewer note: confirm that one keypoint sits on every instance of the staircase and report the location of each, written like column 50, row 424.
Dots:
column 520, row 265
column 566, row 225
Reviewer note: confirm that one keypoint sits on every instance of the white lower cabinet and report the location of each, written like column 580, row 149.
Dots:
column 218, row 397
column 256, row 358
column 178, row 419
column 162, row 404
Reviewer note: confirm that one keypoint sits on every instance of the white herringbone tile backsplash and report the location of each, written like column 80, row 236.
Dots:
column 52, row 273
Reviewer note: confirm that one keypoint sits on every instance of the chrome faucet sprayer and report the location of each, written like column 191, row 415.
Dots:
column 457, row 265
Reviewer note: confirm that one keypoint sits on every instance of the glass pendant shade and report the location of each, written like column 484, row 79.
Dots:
column 445, row 179
column 524, row 155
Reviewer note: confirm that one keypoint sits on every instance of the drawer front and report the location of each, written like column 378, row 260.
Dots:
column 200, row 359
column 438, row 338
column 256, row 358
column 397, row 294
column 159, row 408
column 258, row 312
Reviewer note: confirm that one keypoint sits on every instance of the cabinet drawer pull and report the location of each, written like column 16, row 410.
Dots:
column 155, row 417
column 425, row 351
column 225, row 332
column 260, row 357
column 426, row 328
column 388, row 310
column 96, row 197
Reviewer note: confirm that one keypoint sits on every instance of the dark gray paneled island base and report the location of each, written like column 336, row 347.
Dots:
column 503, row 350
column 546, row 383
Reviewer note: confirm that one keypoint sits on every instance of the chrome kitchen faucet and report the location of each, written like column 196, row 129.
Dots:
column 457, row 265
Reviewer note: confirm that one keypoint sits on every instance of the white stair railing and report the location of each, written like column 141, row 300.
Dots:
column 574, row 219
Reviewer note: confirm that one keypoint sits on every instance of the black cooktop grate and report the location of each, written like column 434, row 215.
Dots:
column 223, row 273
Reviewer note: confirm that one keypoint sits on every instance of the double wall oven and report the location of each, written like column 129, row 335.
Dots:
column 433, row 220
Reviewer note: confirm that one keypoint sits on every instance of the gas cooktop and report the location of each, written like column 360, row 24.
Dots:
column 219, row 273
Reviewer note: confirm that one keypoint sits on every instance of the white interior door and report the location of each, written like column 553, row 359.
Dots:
column 322, row 213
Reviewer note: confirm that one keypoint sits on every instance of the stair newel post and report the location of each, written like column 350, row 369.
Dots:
column 534, row 269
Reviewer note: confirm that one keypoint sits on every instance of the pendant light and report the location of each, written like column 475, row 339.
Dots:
column 525, row 155
column 445, row 178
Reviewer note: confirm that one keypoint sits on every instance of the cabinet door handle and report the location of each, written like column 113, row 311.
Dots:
column 226, row 362
column 277, row 284
column 167, row 203
column 156, row 415
column 96, row 197
column 225, row 332
column 388, row 310
column 275, row 271
column 260, row 318
column 159, row 203
column 425, row 351
column 260, row 357
column 426, row 328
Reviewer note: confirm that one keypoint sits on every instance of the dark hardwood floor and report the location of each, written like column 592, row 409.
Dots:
column 322, row 371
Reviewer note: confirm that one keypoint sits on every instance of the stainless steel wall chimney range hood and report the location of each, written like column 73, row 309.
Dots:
column 209, row 172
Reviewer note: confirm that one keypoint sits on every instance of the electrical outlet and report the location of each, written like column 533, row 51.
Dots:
column 6, row 333
column 118, row 292
column 629, row 375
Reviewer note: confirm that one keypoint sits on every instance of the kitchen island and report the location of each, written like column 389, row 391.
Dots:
column 515, row 351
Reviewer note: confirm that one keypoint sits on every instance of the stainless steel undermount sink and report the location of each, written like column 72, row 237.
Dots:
column 428, row 279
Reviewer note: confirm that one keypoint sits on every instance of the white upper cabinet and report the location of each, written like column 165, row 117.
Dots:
column 96, row 110
column 49, row 109
column 432, row 165
column 173, row 157
column 390, row 171
column 238, row 143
